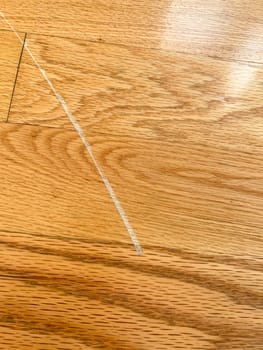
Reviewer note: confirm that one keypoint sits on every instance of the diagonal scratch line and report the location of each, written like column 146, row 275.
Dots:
column 81, row 134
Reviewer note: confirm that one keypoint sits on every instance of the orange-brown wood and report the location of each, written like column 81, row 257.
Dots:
column 10, row 50
column 69, row 292
column 169, row 95
column 177, row 135
column 142, row 93
column 230, row 29
column 49, row 185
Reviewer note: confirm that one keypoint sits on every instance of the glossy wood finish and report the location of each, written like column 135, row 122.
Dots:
column 142, row 93
column 230, row 29
column 49, row 185
column 179, row 136
column 159, row 182
column 10, row 50
column 77, row 294
column 140, row 105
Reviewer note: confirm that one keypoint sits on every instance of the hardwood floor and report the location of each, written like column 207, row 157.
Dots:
column 230, row 29
column 87, row 294
column 153, row 105
column 10, row 50
column 144, row 93
column 169, row 97
column 48, row 184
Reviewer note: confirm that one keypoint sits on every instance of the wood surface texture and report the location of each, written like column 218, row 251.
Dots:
column 169, row 96
column 48, row 184
column 62, row 293
column 232, row 29
column 10, row 50
column 139, row 105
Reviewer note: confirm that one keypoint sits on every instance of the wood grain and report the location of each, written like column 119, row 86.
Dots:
column 143, row 111
column 79, row 294
column 231, row 29
column 10, row 50
column 179, row 136
column 141, row 93
column 161, row 182
column 49, row 185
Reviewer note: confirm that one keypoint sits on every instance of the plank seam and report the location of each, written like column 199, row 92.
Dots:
column 16, row 77
column 84, row 140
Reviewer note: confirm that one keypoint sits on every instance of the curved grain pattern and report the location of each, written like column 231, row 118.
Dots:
column 48, row 184
column 33, row 100
column 99, row 295
column 178, row 191
column 142, row 93
column 179, row 136
column 231, row 29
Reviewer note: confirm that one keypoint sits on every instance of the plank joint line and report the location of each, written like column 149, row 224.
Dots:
column 84, row 140
column 16, row 77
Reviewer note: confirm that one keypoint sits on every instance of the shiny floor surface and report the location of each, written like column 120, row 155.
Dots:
column 131, row 168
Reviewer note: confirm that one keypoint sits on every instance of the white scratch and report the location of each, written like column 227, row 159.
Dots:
column 84, row 140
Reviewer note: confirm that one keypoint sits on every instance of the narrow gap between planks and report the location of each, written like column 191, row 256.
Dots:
column 16, row 77
column 84, row 140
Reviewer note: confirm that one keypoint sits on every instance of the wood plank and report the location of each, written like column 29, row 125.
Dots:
column 141, row 93
column 181, row 190
column 49, row 185
column 73, row 293
column 230, row 29
column 179, row 137
column 34, row 102
column 10, row 50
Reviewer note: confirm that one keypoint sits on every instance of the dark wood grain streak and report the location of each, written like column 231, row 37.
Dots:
column 165, row 297
column 173, row 112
